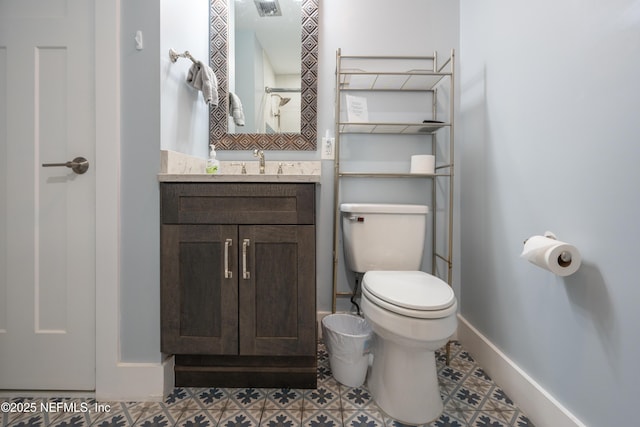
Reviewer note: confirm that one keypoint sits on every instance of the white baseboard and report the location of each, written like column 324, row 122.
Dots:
column 542, row 408
column 169, row 375
column 137, row 382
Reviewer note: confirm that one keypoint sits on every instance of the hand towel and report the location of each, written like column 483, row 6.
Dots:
column 235, row 109
column 202, row 77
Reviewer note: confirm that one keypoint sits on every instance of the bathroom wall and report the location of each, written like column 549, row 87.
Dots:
column 149, row 80
column 139, row 164
column 159, row 111
column 185, row 116
column 418, row 27
column 549, row 137
column 372, row 27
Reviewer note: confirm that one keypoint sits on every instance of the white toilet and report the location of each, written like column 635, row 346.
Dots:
column 411, row 312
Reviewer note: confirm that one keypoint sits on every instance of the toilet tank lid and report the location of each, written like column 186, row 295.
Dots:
column 384, row 208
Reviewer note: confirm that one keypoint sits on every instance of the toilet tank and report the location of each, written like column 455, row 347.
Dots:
column 383, row 236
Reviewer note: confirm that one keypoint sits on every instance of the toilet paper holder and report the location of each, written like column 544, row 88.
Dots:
column 560, row 260
column 565, row 257
column 548, row 234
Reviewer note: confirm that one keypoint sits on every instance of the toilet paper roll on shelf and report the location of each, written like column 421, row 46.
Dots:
column 423, row 163
column 551, row 254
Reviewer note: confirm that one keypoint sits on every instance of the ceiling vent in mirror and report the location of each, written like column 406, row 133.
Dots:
column 268, row 7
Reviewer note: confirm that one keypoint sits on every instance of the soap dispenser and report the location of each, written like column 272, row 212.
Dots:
column 213, row 164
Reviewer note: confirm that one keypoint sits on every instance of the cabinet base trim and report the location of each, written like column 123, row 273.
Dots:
column 209, row 376
column 245, row 371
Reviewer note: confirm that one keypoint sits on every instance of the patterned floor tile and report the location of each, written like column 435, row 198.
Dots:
column 447, row 388
column 284, row 398
column 240, row 418
column 453, row 374
column 179, row 397
column 200, row 418
column 324, row 374
column 323, row 354
column 323, row 418
column 353, row 398
column 462, row 365
column 500, row 399
column 454, row 412
column 390, row 422
column 470, row 397
column 21, row 409
column 246, row 398
column 27, row 420
column 281, row 418
column 486, row 419
column 521, row 420
column 363, row 418
column 211, row 398
column 326, row 396
column 478, row 385
column 448, row 420
column 75, row 419
column 158, row 415
column 133, row 411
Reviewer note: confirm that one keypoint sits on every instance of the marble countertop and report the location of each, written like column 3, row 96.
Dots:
column 178, row 167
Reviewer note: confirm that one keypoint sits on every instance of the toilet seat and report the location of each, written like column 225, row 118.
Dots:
column 410, row 293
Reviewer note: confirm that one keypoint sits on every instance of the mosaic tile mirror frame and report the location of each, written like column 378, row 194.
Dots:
column 219, row 54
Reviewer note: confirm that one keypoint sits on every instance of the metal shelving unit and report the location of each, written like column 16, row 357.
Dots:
column 399, row 75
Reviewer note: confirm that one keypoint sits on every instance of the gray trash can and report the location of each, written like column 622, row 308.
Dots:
column 348, row 339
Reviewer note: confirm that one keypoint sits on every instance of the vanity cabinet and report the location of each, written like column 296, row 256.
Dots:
column 238, row 283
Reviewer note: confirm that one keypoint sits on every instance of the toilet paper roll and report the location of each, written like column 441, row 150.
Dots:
column 558, row 257
column 423, row 163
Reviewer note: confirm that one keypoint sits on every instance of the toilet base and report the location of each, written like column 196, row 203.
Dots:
column 404, row 382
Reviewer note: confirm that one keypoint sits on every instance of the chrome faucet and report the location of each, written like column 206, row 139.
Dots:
column 260, row 155
column 244, row 167
column 281, row 164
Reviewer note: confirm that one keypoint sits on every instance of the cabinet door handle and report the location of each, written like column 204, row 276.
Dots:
column 227, row 273
column 245, row 273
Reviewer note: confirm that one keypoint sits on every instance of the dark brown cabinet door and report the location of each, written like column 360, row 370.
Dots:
column 277, row 289
column 199, row 300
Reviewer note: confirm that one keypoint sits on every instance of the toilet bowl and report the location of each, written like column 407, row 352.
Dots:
column 412, row 314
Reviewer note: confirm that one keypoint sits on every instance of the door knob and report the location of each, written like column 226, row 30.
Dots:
column 79, row 165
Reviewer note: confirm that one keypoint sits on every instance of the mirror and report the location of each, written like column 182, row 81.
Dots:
column 264, row 63
column 279, row 109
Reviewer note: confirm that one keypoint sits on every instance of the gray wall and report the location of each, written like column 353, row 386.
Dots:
column 549, row 126
column 417, row 28
column 140, row 163
column 373, row 27
column 159, row 111
column 547, row 139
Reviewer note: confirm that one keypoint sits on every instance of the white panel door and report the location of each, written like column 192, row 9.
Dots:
column 47, row 215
